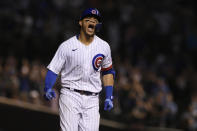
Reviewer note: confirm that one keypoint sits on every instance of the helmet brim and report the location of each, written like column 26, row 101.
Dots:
column 91, row 15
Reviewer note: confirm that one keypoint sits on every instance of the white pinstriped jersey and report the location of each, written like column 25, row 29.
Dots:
column 80, row 64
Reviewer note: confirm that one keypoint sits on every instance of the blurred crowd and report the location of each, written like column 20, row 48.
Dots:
column 24, row 80
column 154, row 45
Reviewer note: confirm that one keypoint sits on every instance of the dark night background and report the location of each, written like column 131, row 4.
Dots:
column 154, row 50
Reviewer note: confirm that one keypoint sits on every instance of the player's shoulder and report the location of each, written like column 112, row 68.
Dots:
column 68, row 42
column 102, row 42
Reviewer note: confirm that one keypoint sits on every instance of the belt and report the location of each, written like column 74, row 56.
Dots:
column 88, row 93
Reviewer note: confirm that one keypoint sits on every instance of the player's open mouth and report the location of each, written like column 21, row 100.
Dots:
column 91, row 28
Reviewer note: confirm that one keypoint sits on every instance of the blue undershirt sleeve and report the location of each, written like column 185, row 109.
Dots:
column 50, row 80
column 110, row 71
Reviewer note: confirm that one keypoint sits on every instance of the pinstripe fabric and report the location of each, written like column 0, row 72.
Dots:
column 80, row 69
column 74, row 60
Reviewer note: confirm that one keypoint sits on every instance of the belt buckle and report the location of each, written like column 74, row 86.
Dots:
column 82, row 92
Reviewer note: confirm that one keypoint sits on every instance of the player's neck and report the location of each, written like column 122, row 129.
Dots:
column 85, row 39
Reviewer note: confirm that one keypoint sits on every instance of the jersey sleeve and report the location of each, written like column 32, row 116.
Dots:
column 107, row 61
column 58, row 60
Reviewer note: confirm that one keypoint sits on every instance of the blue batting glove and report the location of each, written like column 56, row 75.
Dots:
column 49, row 94
column 108, row 105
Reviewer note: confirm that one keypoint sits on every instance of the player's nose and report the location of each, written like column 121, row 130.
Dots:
column 93, row 21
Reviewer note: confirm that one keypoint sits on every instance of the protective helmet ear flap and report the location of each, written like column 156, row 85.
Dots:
column 98, row 27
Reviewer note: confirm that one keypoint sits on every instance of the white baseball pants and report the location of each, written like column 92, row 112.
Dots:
column 78, row 112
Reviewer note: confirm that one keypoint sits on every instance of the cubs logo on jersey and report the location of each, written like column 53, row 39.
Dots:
column 97, row 61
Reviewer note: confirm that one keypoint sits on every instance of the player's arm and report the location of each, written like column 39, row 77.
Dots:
column 108, row 74
column 49, row 83
column 108, row 82
column 54, row 69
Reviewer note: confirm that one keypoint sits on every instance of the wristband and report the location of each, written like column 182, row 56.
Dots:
column 109, row 92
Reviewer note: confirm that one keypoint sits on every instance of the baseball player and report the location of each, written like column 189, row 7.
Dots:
column 81, row 61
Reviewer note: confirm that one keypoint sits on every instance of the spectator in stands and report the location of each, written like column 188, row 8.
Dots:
column 24, row 80
column 35, row 82
column 171, row 110
column 10, row 78
column 189, row 117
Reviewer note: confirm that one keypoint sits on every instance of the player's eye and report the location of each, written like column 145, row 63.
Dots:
column 92, row 19
column 87, row 20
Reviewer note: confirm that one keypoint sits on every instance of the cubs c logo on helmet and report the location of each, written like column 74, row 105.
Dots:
column 94, row 12
column 96, row 62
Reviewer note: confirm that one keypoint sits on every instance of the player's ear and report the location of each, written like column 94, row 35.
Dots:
column 80, row 22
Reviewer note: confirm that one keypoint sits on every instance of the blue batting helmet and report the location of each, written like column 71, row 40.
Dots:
column 91, row 12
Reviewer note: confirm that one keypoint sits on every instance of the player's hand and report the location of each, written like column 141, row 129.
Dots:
column 108, row 105
column 49, row 94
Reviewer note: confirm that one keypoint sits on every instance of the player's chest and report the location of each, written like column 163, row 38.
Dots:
column 85, row 55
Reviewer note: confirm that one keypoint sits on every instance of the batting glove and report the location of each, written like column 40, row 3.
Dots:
column 49, row 94
column 108, row 105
